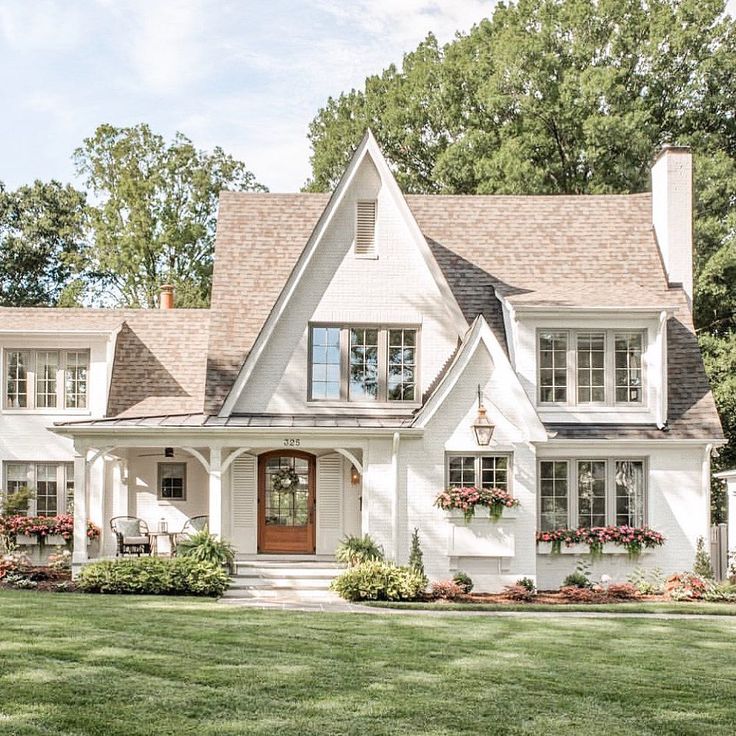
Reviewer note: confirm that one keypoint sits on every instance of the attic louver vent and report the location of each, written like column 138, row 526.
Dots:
column 365, row 228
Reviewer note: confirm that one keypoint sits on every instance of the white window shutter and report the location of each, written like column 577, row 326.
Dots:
column 365, row 228
column 245, row 503
column 329, row 502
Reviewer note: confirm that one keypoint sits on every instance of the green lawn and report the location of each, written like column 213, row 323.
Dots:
column 74, row 664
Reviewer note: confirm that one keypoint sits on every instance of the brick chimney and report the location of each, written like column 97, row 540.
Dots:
column 166, row 297
column 672, row 213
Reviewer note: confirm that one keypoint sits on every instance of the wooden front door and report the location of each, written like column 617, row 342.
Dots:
column 286, row 502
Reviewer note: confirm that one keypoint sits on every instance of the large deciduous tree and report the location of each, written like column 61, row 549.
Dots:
column 570, row 96
column 153, row 212
column 42, row 245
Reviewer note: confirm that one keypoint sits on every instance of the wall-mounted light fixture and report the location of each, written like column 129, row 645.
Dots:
column 354, row 475
column 482, row 427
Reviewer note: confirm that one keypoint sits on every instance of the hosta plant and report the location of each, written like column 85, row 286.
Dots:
column 467, row 499
column 354, row 550
column 206, row 547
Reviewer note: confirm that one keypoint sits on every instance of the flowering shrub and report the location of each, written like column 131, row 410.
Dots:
column 685, row 586
column 466, row 499
column 447, row 590
column 44, row 526
column 634, row 539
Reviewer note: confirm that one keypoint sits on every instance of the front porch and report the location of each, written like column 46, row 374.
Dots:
column 243, row 489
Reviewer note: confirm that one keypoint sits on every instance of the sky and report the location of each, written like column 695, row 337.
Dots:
column 248, row 75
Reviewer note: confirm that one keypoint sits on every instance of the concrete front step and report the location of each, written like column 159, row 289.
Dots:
column 282, row 577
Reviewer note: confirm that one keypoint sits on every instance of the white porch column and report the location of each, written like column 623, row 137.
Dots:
column 120, row 502
column 79, row 556
column 215, row 498
column 731, row 486
column 395, row 508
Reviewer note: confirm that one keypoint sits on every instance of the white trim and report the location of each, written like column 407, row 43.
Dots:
column 621, row 311
column 197, row 454
column 234, row 455
column 349, row 456
column 367, row 147
column 479, row 333
column 661, row 338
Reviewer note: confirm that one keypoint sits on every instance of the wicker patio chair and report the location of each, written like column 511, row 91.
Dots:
column 191, row 527
column 132, row 535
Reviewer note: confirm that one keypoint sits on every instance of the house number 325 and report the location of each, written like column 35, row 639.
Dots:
column 292, row 442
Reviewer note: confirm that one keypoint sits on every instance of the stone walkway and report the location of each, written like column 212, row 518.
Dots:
column 345, row 607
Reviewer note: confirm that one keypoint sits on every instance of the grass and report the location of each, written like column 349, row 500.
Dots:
column 687, row 608
column 134, row 666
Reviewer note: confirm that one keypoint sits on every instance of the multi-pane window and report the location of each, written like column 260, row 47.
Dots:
column 47, row 490
column 553, row 494
column 479, row 471
column 591, row 493
column 363, row 364
column 553, row 367
column 363, row 384
column 46, row 379
column 591, row 367
column 585, row 367
column 606, row 491
column 75, row 379
column 402, row 355
column 172, row 481
column 52, row 485
column 16, row 379
column 47, row 368
column 629, row 492
column 326, row 363
column 628, row 350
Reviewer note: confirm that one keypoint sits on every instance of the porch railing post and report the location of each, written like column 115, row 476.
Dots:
column 215, row 496
column 81, row 475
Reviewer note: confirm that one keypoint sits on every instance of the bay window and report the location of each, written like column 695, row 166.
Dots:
column 46, row 379
column 606, row 491
column 363, row 364
column 590, row 367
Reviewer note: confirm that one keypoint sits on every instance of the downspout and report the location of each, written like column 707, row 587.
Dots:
column 395, row 497
column 706, row 486
column 662, row 408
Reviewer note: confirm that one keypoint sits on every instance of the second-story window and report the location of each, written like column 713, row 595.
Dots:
column 590, row 367
column 363, row 364
column 46, row 379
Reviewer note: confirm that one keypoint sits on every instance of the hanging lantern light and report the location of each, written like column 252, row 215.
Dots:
column 482, row 427
column 354, row 475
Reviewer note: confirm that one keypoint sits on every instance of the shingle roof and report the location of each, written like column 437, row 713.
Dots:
column 259, row 239
column 564, row 251
column 160, row 355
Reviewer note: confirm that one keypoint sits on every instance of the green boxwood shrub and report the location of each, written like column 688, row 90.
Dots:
column 154, row 576
column 379, row 581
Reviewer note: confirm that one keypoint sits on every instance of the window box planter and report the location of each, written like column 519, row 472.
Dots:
column 545, row 548
column 26, row 539
column 481, row 514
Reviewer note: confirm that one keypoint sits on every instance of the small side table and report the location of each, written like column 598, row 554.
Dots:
column 155, row 538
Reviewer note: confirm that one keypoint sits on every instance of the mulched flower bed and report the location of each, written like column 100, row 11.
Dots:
column 38, row 578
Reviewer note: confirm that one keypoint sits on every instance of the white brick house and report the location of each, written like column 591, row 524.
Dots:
column 349, row 338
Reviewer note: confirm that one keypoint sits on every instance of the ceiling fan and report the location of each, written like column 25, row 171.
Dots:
column 168, row 452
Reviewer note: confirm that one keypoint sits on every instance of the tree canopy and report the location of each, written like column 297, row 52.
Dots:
column 42, row 244
column 568, row 96
column 154, row 212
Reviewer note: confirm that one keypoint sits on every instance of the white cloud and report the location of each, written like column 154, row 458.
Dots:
column 41, row 25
